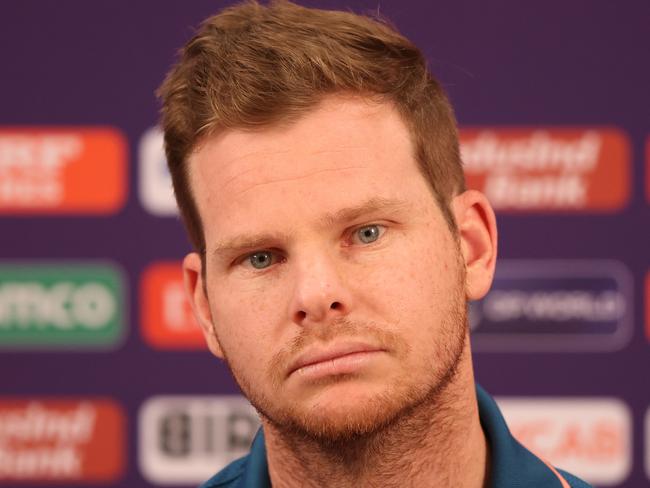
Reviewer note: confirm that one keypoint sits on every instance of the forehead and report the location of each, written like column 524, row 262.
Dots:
column 346, row 150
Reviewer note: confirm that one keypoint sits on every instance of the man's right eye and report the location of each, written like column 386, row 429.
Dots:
column 261, row 259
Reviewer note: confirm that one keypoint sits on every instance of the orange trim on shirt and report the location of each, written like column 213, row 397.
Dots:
column 565, row 483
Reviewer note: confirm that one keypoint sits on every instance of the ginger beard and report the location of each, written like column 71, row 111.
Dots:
column 422, row 390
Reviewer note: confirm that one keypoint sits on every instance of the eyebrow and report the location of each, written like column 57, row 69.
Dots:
column 259, row 241
column 373, row 205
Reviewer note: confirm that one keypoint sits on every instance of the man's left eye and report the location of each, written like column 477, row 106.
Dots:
column 261, row 259
column 369, row 233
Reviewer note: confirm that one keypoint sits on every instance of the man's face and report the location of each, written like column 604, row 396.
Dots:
column 335, row 286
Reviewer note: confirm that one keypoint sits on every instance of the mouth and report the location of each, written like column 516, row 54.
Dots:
column 334, row 359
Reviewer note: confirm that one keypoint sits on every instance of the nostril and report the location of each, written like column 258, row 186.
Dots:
column 335, row 306
column 301, row 315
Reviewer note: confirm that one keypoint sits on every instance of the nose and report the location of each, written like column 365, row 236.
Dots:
column 320, row 292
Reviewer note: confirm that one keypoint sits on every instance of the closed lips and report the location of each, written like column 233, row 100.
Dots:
column 320, row 355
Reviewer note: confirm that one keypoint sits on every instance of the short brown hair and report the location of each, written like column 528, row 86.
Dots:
column 252, row 66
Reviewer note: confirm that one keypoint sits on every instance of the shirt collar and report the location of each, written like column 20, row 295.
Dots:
column 256, row 472
column 511, row 464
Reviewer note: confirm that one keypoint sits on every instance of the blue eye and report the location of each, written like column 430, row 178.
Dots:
column 369, row 233
column 261, row 259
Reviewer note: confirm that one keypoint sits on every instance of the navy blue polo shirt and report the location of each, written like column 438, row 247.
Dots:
column 512, row 465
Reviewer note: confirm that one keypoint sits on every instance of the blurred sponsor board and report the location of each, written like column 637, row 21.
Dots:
column 61, row 440
column 155, row 182
column 61, row 305
column 558, row 169
column 187, row 439
column 167, row 319
column 56, row 170
column 555, row 306
column 589, row 437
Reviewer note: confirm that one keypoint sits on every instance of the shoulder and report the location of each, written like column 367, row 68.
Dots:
column 248, row 471
column 574, row 481
column 228, row 476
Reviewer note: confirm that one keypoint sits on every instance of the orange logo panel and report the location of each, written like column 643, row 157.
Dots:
column 548, row 169
column 71, row 440
column 167, row 319
column 62, row 170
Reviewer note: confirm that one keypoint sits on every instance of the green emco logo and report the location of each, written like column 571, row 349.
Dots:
column 66, row 305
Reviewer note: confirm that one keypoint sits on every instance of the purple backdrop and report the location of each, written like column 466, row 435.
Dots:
column 504, row 63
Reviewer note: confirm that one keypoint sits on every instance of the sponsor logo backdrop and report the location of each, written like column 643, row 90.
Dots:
column 105, row 378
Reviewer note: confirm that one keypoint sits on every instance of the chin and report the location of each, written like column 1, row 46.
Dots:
column 344, row 412
column 334, row 422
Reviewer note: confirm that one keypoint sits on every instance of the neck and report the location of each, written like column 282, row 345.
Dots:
column 439, row 443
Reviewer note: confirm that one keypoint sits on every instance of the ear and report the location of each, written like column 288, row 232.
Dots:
column 478, row 241
column 195, row 290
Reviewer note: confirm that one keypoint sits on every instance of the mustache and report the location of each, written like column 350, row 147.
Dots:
column 341, row 328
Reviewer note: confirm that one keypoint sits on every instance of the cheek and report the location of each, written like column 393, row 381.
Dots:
column 248, row 320
column 413, row 278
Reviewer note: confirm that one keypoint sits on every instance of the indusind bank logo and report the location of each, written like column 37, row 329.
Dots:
column 548, row 169
column 62, row 170
column 61, row 440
